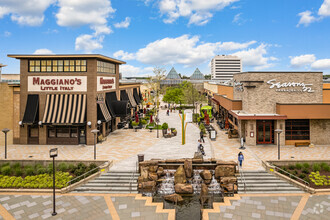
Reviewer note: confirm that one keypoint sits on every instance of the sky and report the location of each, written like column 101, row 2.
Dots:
column 272, row 35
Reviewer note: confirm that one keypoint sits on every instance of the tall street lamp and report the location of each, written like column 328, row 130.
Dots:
column 5, row 131
column 53, row 154
column 95, row 131
column 278, row 131
column 157, row 120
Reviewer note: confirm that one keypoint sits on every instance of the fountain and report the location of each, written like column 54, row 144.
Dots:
column 187, row 185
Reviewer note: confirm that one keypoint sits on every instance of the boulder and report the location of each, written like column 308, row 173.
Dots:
column 147, row 185
column 144, row 174
column 153, row 176
column 188, row 168
column 153, row 168
column 206, row 176
column 160, row 171
column 224, row 170
column 197, row 160
column 228, row 180
column 184, row 188
column 140, row 179
column 173, row 198
column 223, row 162
column 204, row 193
column 180, row 176
column 198, row 155
column 230, row 187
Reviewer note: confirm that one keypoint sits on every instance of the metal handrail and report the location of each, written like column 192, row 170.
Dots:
column 83, row 175
column 132, row 176
column 291, row 175
column 241, row 173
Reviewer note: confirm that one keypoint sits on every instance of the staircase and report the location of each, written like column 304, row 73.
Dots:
column 263, row 182
column 111, row 182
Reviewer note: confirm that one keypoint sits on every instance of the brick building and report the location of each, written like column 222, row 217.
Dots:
column 258, row 103
column 64, row 97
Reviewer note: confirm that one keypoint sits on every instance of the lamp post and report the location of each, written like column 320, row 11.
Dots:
column 5, row 131
column 95, row 131
column 278, row 131
column 53, row 154
column 157, row 120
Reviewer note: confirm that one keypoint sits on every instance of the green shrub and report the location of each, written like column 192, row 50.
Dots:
column 144, row 122
column 295, row 172
column 302, row 176
column 134, row 124
column 299, row 166
column 29, row 171
column 306, row 165
column 15, row 165
column 146, row 118
column 62, row 167
column 202, row 128
column 165, row 126
column 291, row 167
column 71, row 168
column 316, row 167
column 18, row 171
column 41, row 170
column 285, row 169
column 325, row 167
column 305, row 171
column 92, row 166
column 81, row 166
column 49, row 168
column 6, row 170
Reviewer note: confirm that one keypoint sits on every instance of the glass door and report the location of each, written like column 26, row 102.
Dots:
column 82, row 135
column 264, row 132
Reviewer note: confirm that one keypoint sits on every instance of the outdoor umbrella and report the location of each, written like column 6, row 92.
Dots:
column 226, row 124
column 136, row 117
column 150, row 118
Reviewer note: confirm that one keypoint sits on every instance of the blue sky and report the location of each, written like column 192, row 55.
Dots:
column 267, row 35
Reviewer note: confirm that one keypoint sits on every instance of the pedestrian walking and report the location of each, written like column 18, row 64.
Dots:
column 168, row 112
column 240, row 158
column 202, row 136
column 200, row 148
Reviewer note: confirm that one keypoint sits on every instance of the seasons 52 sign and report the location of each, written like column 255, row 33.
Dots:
column 290, row 86
column 106, row 83
column 57, row 83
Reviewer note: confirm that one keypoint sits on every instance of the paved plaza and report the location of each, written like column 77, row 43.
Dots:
column 122, row 146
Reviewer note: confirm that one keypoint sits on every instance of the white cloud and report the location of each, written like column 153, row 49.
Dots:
column 123, row 24
column 199, row 12
column 306, row 18
column 324, row 10
column 185, row 50
column 7, row 34
column 255, row 57
column 25, row 12
column 120, row 54
column 129, row 70
column 302, row 60
column 321, row 64
column 43, row 51
column 88, row 43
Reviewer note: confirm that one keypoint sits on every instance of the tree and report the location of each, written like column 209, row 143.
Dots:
column 173, row 95
column 154, row 82
column 190, row 93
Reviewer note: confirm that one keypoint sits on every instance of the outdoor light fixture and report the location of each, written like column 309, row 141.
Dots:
column 95, row 131
column 53, row 154
column 5, row 131
column 40, row 124
column 89, row 123
column 99, row 122
column 278, row 131
column 21, row 123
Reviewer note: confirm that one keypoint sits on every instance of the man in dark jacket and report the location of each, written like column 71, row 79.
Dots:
column 202, row 136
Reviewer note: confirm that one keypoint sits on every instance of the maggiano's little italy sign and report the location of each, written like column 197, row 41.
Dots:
column 106, row 83
column 290, row 86
column 57, row 83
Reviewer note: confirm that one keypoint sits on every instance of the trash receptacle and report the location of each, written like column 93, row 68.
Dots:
column 140, row 158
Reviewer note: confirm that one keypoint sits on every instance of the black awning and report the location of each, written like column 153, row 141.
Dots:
column 124, row 96
column 121, row 108
column 140, row 94
column 31, row 114
column 109, row 98
column 136, row 96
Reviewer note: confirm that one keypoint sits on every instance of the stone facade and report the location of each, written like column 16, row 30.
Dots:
column 258, row 98
column 320, row 132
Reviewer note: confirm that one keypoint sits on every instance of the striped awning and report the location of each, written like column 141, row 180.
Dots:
column 131, row 97
column 65, row 109
column 103, row 107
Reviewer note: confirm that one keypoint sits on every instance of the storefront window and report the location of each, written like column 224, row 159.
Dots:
column 105, row 67
column 297, row 129
column 62, row 132
column 51, row 132
column 33, row 132
column 74, row 132
column 57, row 65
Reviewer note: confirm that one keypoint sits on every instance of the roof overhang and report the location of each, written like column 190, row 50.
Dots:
column 67, row 56
column 241, row 115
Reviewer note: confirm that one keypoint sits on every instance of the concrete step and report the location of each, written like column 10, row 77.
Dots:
column 107, row 192
column 120, row 174
column 265, row 185
column 253, row 174
column 263, row 181
column 89, row 184
column 87, row 188
column 121, row 171
column 116, row 178
column 113, row 181
column 284, row 188
column 260, row 178
column 268, row 192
